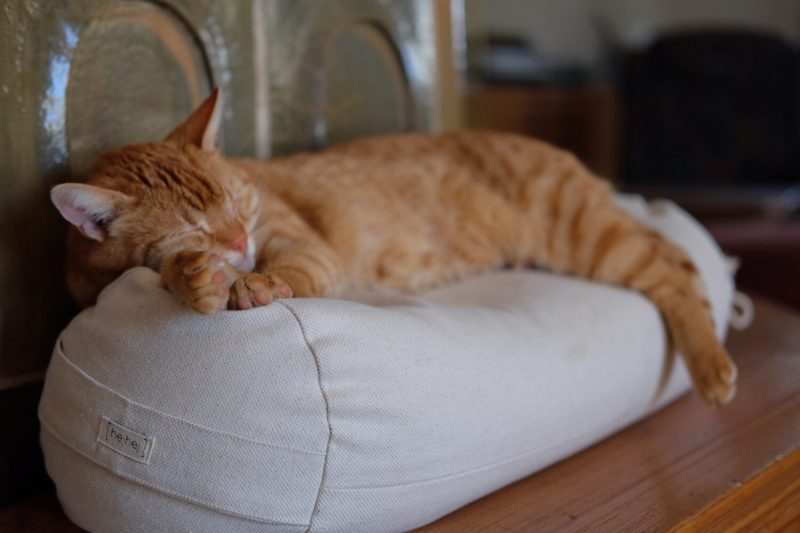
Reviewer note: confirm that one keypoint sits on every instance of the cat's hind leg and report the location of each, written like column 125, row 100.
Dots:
column 625, row 253
column 578, row 229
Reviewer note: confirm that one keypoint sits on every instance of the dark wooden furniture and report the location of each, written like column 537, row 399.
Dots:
column 769, row 252
column 688, row 467
column 582, row 119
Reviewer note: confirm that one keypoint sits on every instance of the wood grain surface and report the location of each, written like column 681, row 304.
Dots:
column 770, row 501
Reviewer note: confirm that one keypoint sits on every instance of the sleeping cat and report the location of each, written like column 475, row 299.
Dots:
column 403, row 211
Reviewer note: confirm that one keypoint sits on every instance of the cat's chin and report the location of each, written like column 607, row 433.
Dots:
column 245, row 264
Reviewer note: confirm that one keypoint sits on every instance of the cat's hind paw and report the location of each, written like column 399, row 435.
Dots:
column 715, row 378
column 256, row 290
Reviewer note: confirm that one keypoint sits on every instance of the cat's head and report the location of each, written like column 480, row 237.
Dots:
column 143, row 202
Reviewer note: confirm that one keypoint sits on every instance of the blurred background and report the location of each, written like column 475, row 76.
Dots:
column 696, row 101
column 691, row 101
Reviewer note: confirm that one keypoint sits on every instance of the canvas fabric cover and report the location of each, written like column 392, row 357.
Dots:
column 376, row 412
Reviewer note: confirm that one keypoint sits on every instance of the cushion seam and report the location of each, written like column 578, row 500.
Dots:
column 317, row 365
column 75, row 368
column 161, row 490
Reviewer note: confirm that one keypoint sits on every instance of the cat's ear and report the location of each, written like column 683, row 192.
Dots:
column 88, row 208
column 202, row 126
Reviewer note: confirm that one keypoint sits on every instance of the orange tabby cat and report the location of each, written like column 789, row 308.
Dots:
column 403, row 211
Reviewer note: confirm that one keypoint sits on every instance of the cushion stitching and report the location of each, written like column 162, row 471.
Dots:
column 313, row 354
column 166, row 492
column 59, row 351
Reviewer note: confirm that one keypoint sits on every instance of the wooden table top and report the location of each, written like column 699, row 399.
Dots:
column 688, row 467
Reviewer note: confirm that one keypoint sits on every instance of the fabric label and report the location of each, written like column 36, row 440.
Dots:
column 125, row 441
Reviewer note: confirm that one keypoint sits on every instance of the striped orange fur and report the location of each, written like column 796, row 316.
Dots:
column 403, row 211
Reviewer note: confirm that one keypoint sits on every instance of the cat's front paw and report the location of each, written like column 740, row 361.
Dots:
column 256, row 290
column 201, row 279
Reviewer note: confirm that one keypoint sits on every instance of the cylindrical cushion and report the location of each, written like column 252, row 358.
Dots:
column 376, row 413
